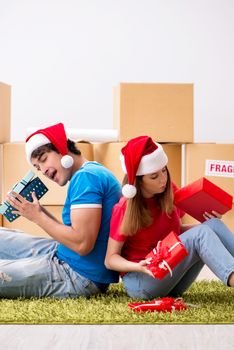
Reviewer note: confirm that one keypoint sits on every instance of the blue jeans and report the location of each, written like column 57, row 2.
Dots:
column 30, row 268
column 210, row 243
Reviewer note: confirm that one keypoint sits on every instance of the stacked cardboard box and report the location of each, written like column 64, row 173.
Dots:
column 162, row 111
column 5, row 111
column 216, row 163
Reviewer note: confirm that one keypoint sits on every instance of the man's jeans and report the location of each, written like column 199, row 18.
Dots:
column 210, row 243
column 29, row 268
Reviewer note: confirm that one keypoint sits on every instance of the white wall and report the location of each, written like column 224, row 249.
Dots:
column 62, row 58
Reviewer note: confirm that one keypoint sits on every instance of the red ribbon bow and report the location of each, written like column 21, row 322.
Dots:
column 159, row 259
column 166, row 304
column 160, row 253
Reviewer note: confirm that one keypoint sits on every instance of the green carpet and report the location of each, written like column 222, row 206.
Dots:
column 214, row 301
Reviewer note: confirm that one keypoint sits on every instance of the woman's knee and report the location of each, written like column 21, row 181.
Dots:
column 196, row 232
column 214, row 223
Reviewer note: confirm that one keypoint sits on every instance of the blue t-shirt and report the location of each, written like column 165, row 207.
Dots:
column 92, row 186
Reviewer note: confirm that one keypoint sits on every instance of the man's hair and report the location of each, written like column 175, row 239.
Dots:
column 137, row 216
column 37, row 153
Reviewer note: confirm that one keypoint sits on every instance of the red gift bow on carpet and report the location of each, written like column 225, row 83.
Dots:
column 160, row 256
column 166, row 304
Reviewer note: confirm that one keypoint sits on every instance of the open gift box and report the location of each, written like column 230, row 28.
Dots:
column 166, row 255
column 202, row 196
column 25, row 188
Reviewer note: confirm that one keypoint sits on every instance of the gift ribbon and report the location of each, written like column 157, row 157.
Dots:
column 163, row 304
column 163, row 253
column 155, row 303
column 17, row 188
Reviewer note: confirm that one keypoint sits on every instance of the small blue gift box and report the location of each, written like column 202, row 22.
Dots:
column 25, row 188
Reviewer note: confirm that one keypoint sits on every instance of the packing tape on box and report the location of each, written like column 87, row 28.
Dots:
column 90, row 135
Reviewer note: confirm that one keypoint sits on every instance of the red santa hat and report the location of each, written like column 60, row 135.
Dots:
column 141, row 156
column 54, row 134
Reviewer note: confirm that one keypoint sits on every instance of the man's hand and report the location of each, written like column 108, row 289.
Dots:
column 30, row 210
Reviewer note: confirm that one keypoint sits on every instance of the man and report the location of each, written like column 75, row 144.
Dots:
column 70, row 264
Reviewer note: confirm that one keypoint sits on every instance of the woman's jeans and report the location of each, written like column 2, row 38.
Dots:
column 210, row 243
column 29, row 268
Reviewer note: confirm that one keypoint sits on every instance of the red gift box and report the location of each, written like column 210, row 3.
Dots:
column 202, row 196
column 161, row 305
column 166, row 255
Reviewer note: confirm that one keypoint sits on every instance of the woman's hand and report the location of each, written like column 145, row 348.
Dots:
column 29, row 210
column 143, row 267
column 213, row 214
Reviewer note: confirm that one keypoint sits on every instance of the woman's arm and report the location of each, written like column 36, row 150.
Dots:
column 114, row 260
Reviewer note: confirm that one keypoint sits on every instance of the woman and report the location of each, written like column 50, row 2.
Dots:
column 146, row 214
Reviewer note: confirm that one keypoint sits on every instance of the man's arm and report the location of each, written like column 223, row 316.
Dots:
column 80, row 236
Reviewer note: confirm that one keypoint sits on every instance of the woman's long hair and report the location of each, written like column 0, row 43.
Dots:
column 137, row 216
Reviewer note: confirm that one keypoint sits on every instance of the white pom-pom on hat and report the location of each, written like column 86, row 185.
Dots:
column 129, row 191
column 67, row 161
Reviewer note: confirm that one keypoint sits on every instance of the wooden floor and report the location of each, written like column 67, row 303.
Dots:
column 207, row 274
column 111, row 337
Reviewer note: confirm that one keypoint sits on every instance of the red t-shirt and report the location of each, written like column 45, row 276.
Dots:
column 136, row 247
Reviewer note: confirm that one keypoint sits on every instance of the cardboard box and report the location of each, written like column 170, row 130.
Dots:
column 5, row 112
column 202, row 196
column 27, row 226
column 108, row 154
column 15, row 166
column 162, row 111
column 173, row 152
column 209, row 160
column 86, row 149
column 1, row 172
